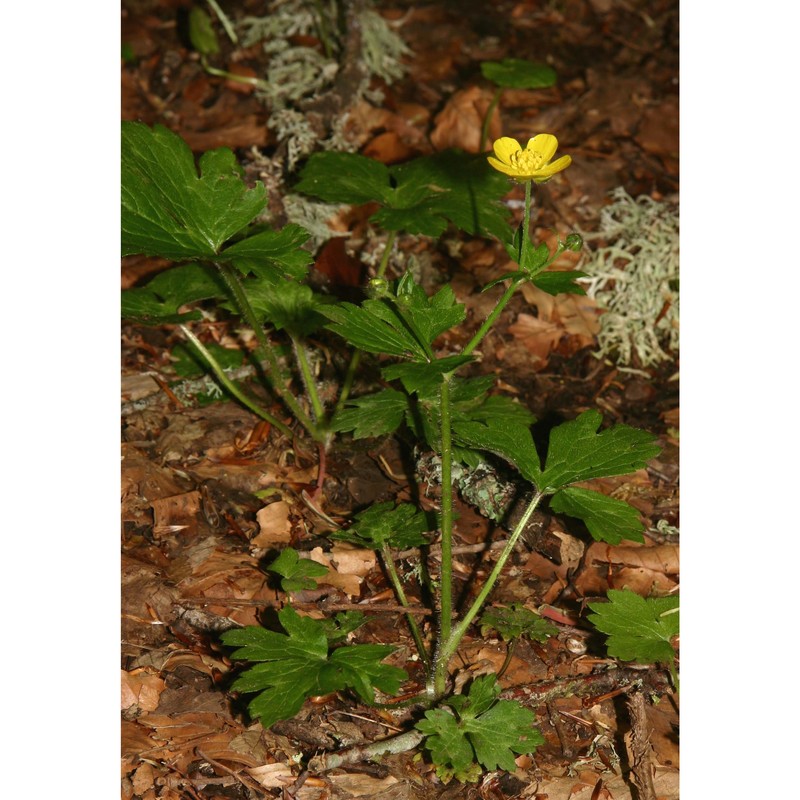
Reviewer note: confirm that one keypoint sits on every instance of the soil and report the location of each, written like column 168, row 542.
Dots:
column 211, row 494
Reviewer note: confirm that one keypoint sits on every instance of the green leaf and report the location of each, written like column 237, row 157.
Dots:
column 287, row 305
column 446, row 740
column 201, row 32
column 559, row 282
column 428, row 316
column 376, row 414
column 482, row 694
column 362, row 670
column 271, row 254
column 638, row 629
column 425, row 377
column 160, row 299
column 403, row 322
column 420, row 196
column 297, row 573
column 451, row 186
column 374, row 326
column 516, row 73
column 344, row 178
column 299, row 666
column 170, row 211
column 502, row 436
column 484, row 730
column 505, row 729
column 608, row 520
column 383, row 524
column 516, row 621
column 344, row 623
column 578, row 453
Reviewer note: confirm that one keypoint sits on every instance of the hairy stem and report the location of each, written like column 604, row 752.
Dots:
column 451, row 644
column 388, row 562
column 308, row 379
column 231, row 386
column 439, row 676
column 501, row 304
column 492, row 318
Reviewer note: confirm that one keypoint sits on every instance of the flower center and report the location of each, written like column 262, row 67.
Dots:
column 527, row 160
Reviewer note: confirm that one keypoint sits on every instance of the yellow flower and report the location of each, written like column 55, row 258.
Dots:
column 532, row 163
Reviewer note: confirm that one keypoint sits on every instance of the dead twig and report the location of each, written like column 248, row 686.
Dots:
column 641, row 751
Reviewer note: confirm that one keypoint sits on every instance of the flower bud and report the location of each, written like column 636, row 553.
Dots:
column 574, row 242
column 378, row 287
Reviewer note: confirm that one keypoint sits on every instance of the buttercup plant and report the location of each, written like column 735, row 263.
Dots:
column 168, row 210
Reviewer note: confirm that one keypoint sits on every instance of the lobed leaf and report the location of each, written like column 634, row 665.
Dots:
column 288, row 305
column 161, row 299
column 483, row 730
column 608, row 520
column 516, row 621
column 578, row 453
column 638, row 629
column 420, row 197
column 271, row 254
column 377, row 414
column 344, row 178
column 299, row 666
column 297, row 573
column 384, row 524
column 168, row 209
column 424, row 377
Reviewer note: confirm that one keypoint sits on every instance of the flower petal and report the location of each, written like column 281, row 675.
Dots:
column 504, row 148
column 547, row 172
column 545, row 144
column 501, row 167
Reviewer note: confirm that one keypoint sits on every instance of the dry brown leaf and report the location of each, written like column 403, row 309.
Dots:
column 174, row 513
column 388, row 148
column 538, row 336
column 273, row 776
column 275, row 526
column 141, row 689
column 361, row 785
column 663, row 558
column 459, row 123
column 579, row 315
column 136, row 738
column 143, row 779
column 346, row 565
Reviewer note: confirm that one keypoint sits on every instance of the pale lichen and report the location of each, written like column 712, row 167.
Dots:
column 633, row 277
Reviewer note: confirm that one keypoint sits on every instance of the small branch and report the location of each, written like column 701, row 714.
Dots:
column 366, row 752
column 652, row 679
column 641, row 750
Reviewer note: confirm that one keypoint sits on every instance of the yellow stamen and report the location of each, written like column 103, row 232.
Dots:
column 526, row 160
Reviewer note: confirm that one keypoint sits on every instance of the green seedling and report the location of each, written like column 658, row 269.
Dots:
column 296, row 573
column 207, row 221
column 512, row 624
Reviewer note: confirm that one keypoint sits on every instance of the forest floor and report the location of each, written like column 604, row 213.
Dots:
column 211, row 494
